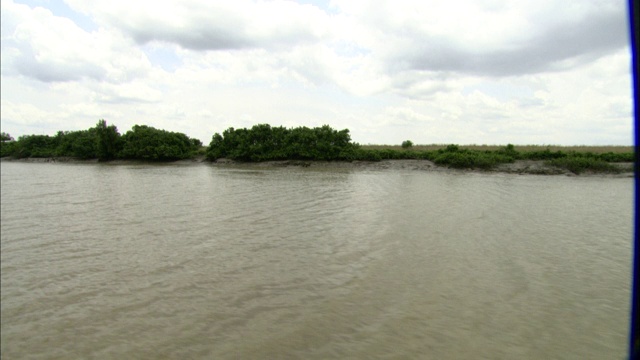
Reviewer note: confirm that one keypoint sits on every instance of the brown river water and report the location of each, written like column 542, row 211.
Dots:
column 178, row 261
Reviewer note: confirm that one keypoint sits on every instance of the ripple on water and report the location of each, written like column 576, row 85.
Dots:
column 199, row 262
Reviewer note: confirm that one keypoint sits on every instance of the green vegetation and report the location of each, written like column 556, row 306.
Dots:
column 575, row 159
column 407, row 144
column 597, row 149
column 453, row 156
column 580, row 164
column 147, row 143
column 263, row 143
column 266, row 143
column 107, row 141
column 104, row 142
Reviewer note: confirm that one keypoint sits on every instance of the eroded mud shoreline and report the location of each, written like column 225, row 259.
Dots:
column 518, row 167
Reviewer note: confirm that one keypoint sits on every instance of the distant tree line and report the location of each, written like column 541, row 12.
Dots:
column 263, row 142
column 104, row 142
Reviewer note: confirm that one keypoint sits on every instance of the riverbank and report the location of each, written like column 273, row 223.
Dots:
column 531, row 167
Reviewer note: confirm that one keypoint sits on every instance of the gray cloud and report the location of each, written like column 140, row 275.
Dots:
column 202, row 26
column 554, row 48
column 197, row 33
column 49, row 70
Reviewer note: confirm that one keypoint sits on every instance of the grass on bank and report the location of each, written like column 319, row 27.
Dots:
column 576, row 159
column 596, row 149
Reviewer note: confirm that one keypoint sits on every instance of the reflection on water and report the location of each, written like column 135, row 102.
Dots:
column 143, row 261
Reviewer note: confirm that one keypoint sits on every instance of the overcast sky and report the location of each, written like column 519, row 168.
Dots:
column 437, row 71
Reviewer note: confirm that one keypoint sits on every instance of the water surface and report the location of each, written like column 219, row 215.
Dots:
column 176, row 261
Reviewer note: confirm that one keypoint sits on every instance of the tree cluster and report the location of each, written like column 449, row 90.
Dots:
column 104, row 142
column 263, row 143
column 147, row 143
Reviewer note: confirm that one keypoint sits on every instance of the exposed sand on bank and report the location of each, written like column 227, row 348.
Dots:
column 518, row 167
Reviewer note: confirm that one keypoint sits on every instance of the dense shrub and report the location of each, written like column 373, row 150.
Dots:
column 35, row 146
column 616, row 157
column 545, row 154
column 263, row 142
column 580, row 164
column 80, row 144
column 148, row 143
column 7, row 148
column 366, row 155
column 83, row 144
column 465, row 159
column 509, row 151
column 105, row 143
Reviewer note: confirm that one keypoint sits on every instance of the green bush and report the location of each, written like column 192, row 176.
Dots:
column 7, row 148
column 617, row 157
column 80, row 144
column 147, row 143
column 451, row 148
column 35, row 146
column 263, row 142
column 466, row 159
column 407, row 144
column 509, row 151
column 367, row 155
column 580, row 164
column 545, row 154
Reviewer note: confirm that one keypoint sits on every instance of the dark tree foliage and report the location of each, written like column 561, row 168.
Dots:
column 148, row 143
column 103, row 142
column 263, row 142
column 107, row 141
column 35, row 146
column 79, row 144
column 7, row 145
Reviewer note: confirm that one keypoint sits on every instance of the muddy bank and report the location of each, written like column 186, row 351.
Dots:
column 530, row 167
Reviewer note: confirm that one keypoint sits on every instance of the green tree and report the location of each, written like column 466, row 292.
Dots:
column 263, row 142
column 407, row 144
column 147, row 143
column 35, row 146
column 107, row 140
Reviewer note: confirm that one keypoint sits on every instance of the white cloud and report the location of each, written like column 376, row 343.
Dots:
column 490, row 38
column 486, row 71
column 52, row 49
column 211, row 25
